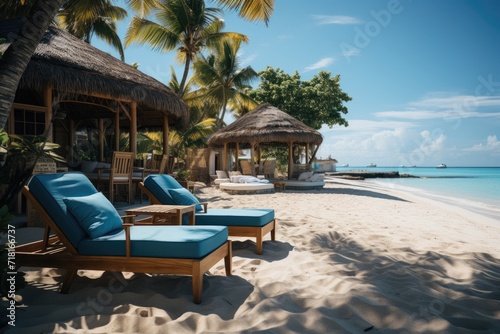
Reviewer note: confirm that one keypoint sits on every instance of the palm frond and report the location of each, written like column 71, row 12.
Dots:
column 144, row 31
column 252, row 10
column 143, row 7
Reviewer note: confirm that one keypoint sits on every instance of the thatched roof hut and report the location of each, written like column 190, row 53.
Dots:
column 89, row 83
column 266, row 125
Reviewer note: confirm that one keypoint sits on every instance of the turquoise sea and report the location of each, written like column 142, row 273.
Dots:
column 477, row 188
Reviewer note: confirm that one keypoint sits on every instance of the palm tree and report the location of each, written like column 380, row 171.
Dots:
column 186, row 25
column 16, row 58
column 221, row 79
column 85, row 18
column 251, row 10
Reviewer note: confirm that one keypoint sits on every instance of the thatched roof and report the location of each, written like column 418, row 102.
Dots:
column 70, row 65
column 266, row 124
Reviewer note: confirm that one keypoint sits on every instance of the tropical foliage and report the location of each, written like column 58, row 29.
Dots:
column 221, row 79
column 186, row 25
column 85, row 18
column 315, row 102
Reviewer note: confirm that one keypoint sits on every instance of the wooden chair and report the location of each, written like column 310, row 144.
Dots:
column 246, row 168
column 256, row 223
column 120, row 173
column 268, row 168
column 178, row 250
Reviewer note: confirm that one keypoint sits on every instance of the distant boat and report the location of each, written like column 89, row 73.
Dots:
column 412, row 166
column 372, row 165
column 344, row 165
column 441, row 166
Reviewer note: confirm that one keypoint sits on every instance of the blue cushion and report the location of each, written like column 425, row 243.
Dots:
column 165, row 188
column 184, row 242
column 159, row 185
column 94, row 213
column 51, row 189
column 235, row 217
column 183, row 196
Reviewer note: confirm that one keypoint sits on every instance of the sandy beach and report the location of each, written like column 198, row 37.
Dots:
column 351, row 258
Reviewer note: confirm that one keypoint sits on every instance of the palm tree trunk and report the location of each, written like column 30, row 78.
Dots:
column 223, row 113
column 18, row 54
column 184, row 76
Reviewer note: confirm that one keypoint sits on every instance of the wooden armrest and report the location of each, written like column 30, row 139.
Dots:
column 126, row 227
column 128, row 219
column 205, row 205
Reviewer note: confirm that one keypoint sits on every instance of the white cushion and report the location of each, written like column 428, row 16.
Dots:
column 236, row 178
column 304, row 176
column 316, row 177
column 221, row 174
column 219, row 181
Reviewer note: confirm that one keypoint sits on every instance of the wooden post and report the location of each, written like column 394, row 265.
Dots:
column 224, row 158
column 133, row 128
column 252, row 158
column 166, row 146
column 237, row 157
column 47, row 102
column 117, row 129
column 71, row 129
column 290, row 160
column 101, row 140
column 307, row 153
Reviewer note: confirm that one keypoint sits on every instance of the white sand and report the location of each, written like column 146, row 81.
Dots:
column 347, row 258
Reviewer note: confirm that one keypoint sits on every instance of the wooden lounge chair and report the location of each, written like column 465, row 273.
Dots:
column 164, row 189
column 88, row 236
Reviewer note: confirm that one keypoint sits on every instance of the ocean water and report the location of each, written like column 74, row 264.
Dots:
column 478, row 188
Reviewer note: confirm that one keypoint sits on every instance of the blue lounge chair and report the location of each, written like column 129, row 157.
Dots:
column 90, row 235
column 164, row 189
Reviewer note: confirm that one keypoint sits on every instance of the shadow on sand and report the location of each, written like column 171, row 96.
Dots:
column 431, row 285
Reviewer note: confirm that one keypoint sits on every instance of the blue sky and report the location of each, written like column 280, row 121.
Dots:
column 424, row 76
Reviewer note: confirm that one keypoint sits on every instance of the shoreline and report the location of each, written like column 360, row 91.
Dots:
column 347, row 258
column 471, row 205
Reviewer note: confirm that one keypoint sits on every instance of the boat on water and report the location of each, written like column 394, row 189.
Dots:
column 344, row 165
column 441, row 166
column 412, row 166
column 372, row 165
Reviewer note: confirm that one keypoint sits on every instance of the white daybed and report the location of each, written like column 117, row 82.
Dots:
column 306, row 181
column 246, row 184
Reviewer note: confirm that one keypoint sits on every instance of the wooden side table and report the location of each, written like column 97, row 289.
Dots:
column 164, row 214
column 279, row 186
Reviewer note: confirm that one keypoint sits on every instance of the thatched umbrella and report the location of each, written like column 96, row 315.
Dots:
column 266, row 125
column 91, row 84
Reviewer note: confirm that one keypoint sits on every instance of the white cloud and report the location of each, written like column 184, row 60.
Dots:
column 363, row 126
column 492, row 144
column 325, row 62
column 430, row 114
column 438, row 106
column 367, row 141
column 462, row 102
column 427, row 148
column 336, row 19
column 431, row 143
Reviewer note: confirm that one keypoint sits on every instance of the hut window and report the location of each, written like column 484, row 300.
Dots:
column 29, row 122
